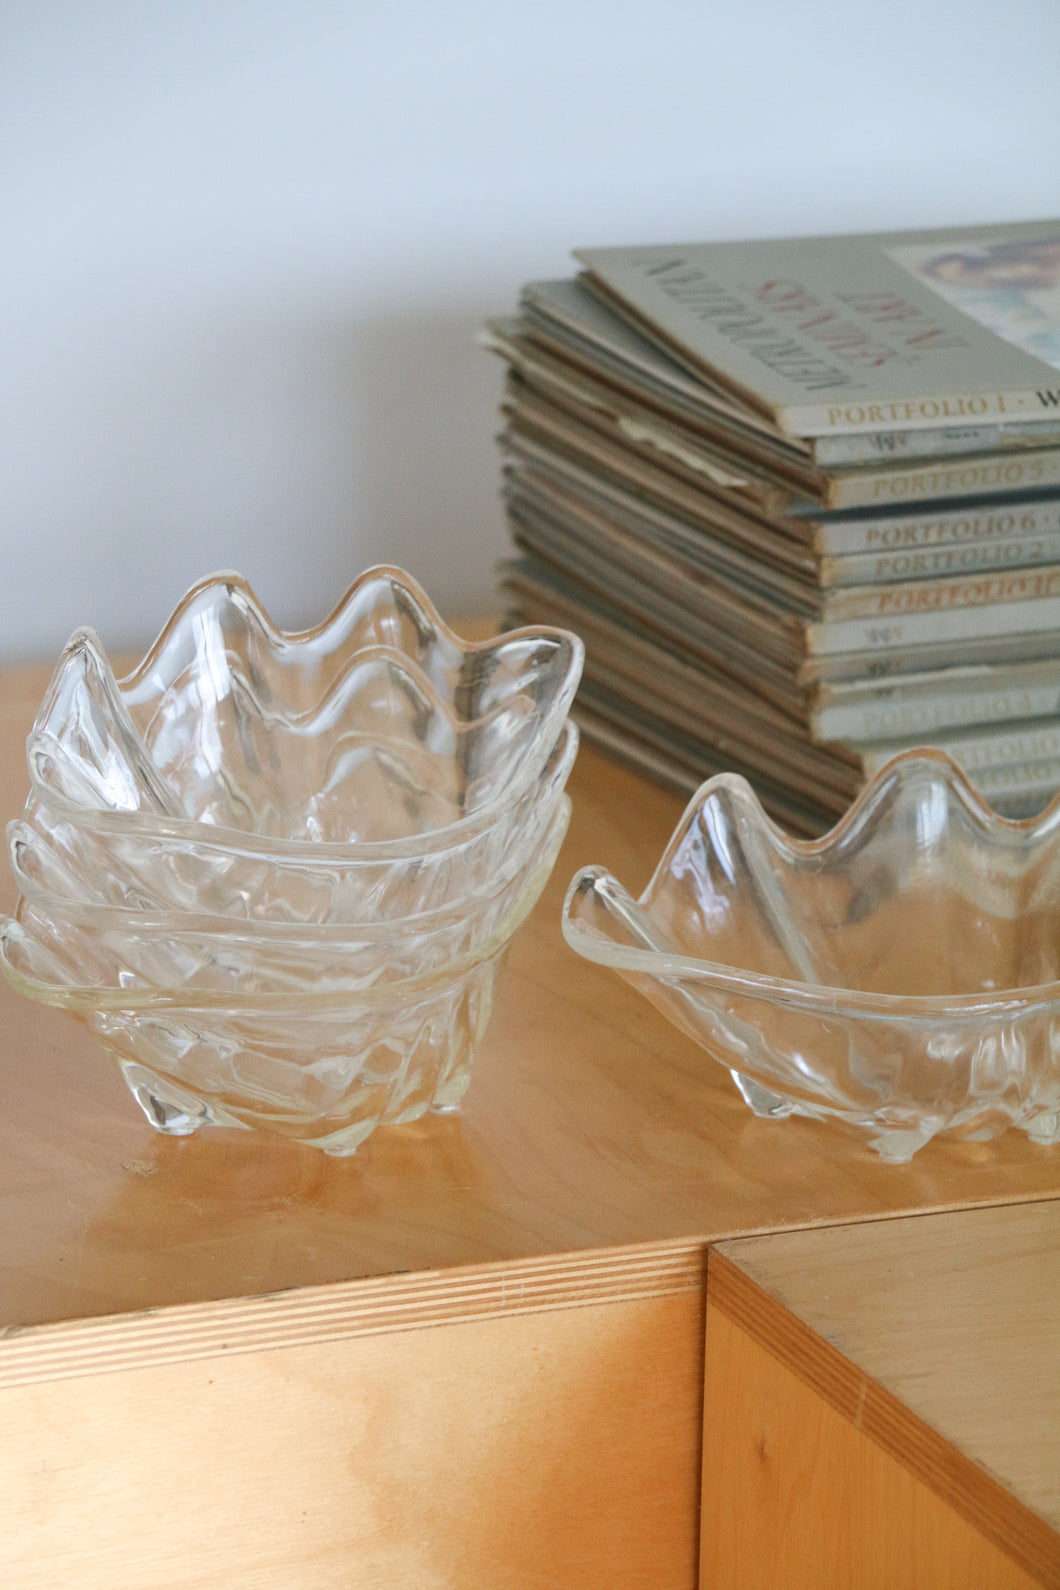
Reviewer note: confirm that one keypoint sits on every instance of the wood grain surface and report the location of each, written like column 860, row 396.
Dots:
column 950, row 1326
column 797, row 1493
column 511, row 1451
column 590, row 1123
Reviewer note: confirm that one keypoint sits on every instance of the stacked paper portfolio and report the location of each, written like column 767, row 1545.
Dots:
column 801, row 499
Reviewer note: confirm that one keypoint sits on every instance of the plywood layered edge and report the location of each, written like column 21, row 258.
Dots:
column 973, row 1493
column 372, row 1306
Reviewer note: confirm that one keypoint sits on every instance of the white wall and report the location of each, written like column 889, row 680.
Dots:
column 246, row 246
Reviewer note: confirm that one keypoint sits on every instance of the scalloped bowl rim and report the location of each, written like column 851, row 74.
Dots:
column 792, row 991
column 82, row 999
column 103, row 820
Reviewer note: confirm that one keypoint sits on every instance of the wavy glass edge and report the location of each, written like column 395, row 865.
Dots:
column 84, row 666
column 862, row 807
column 165, row 824
column 826, row 996
column 375, row 929
column 81, row 1000
column 135, row 681
column 768, row 1062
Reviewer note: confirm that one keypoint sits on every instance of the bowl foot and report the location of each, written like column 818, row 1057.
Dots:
column 450, row 1093
column 1044, row 1128
column 170, row 1109
column 897, row 1145
column 769, row 1105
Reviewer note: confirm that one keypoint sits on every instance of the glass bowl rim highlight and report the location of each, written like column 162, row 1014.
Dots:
column 87, row 999
column 794, row 993
column 159, row 825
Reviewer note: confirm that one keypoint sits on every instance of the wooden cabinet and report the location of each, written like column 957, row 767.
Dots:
column 884, row 1405
column 470, row 1356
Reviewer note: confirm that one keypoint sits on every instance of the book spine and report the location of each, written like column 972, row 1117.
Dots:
column 985, row 754
column 1017, row 778
column 1024, row 404
column 876, row 447
column 968, row 477
column 881, row 568
column 899, row 599
column 846, row 670
column 919, row 717
column 1040, row 777
column 933, row 628
column 1007, row 747
column 954, row 527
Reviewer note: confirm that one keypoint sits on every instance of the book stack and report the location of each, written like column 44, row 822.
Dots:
column 801, row 499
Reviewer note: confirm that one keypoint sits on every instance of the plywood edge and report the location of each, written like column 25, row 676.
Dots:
column 871, row 1408
column 362, row 1307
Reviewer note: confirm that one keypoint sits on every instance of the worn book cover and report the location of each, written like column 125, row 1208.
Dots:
column 703, row 455
column 565, row 320
column 681, row 716
column 861, row 333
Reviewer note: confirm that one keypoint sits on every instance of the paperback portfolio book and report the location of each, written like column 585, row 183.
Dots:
column 802, row 500
column 884, row 330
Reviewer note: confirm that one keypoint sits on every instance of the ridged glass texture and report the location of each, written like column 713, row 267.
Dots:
column 378, row 728
column 316, row 1042
column 277, row 874
column 901, row 973
column 53, row 849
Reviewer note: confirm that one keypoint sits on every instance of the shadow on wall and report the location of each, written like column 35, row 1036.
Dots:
column 296, row 450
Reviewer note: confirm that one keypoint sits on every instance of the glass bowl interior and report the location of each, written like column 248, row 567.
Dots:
column 379, row 727
column 903, row 971
column 55, row 854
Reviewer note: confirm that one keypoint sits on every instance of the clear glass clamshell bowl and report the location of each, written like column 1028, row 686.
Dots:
column 277, row 874
column 902, row 973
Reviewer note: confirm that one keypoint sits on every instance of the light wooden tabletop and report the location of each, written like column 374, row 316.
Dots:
column 590, row 1124
column 956, row 1317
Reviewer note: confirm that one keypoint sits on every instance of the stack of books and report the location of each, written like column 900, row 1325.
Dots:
column 801, row 499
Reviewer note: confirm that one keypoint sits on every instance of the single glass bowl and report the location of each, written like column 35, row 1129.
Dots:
column 902, row 973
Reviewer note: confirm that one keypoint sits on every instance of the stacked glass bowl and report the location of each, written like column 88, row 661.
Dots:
column 276, row 874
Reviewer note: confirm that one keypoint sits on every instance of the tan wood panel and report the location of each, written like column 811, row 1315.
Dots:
column 955, row 1316
column 516, row 1451
column 797, row 1495
column 590, row 1122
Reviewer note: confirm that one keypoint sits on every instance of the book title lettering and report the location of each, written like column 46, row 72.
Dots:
column 937, row 594
column 911, row 331
column 709, row 301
